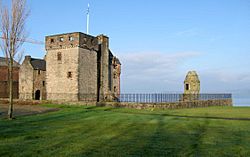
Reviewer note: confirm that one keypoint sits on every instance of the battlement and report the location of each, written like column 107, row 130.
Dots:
column 70, row 40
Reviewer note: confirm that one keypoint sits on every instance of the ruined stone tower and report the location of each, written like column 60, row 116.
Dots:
column 79, row 67
column 192, row 83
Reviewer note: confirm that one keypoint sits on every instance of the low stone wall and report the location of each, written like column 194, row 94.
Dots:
column 36, row 102
column 174, row 105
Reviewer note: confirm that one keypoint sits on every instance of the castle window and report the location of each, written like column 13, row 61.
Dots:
column 38, row 72
column 59, row 56
column 69, row 74
column 43, row 83
column 114, row 76
column 51, row 41
column 71, row 38
column 187, row 87
column 61, row 39
column 114, row 88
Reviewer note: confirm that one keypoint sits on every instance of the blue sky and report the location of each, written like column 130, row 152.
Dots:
column 158, row 42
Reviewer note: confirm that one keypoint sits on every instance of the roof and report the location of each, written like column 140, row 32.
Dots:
column 3, row 62
column 38, row 64
column 117, row 61
column 192, row 75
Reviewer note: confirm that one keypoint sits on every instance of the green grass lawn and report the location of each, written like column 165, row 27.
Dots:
column 102, row 131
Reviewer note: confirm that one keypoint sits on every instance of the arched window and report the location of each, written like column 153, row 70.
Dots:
column 59, row 56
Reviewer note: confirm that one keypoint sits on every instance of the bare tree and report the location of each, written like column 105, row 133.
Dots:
column 12, row 26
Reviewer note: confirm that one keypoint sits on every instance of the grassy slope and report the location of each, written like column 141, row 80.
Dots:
column 82, row 131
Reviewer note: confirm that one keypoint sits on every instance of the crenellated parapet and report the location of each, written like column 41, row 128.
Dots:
column 71, row 40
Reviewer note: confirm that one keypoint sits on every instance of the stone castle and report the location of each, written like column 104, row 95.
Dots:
column 191, row 87
column 192, row 83
column 76, row 67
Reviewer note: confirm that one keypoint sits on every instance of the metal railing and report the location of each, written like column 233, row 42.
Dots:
column 163, row 97
column 136, row 97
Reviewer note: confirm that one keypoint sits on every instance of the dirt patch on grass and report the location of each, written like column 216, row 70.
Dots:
column 22, row 108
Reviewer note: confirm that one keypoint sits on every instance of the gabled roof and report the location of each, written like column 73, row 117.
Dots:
column 3, row 62
column 38, row 64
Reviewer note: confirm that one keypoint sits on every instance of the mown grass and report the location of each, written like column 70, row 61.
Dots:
column 97, row 131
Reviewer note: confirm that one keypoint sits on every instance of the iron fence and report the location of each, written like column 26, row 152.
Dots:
column 136, row 97
column 163, row 97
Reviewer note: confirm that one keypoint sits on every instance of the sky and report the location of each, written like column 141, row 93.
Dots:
column 158, row 42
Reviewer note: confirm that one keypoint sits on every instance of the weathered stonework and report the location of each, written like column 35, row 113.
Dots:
column 79, row 67
column 191, row 86
column 171, row 105
column 192, row 83
column 32, row 78
column 4, row 86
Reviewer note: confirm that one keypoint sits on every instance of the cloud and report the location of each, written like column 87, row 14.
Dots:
column 224, row 80
column 152, row 69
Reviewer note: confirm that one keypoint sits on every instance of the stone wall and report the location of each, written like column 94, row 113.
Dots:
column 116, row 72
column 174, row 105
column 62, row 75
column 192, row 83
column 89, row 60
column 26, row 80
column 104, row 67
column 4, row 88
column 87, row 74
column 39, row 83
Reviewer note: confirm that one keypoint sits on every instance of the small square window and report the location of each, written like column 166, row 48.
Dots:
column 69, row 74
column 51, row 41
column 61, row 39
column 71, row 38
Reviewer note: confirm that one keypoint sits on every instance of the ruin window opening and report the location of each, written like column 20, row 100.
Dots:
column 38, row 72
column 71, row 38
column 51, row 41
column 43, row 83
column 187, row 86
column 69, row 74
column 59, row 56
column 114, row 88
column 61, row 39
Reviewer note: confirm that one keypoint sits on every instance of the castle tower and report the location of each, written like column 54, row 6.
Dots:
column 192, row 83
column 80, row 67
column 104, row 68
column 71, row 67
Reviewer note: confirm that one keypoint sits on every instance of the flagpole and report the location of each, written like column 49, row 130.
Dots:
column 88, row 19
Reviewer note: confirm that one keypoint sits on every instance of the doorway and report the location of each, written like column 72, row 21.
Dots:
column 37, row 95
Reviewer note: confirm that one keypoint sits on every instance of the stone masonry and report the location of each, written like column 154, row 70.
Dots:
column 81, row 67
column 191, row 86
column 4, row 85
column 192, row 83
column 32, row 77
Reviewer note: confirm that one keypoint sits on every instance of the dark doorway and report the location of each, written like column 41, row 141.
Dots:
column 37, row 95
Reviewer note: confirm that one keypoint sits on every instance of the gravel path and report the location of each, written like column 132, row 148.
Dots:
column 20, row 110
